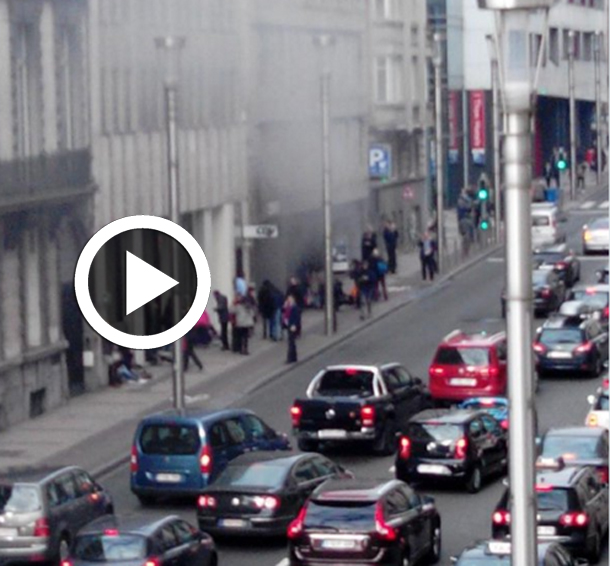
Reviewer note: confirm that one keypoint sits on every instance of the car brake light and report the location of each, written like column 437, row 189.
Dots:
column 206, row 501
column 351, row 371
column 266, row 502
column 41, row 527
column 405, row 448
column 66, row 563
column 367, row 415
column 606, row 311
column 205, row 460
column 544, row 487
column 152, row 562
column 491, row 371
column 385, row 531
column 602, row 474
column 605, row 383
column 111, row 532
column 545, row 292
column 504, row 424
column 295, row 528
column 295, row 414
column 573, row 519
column 461, row 447
column 586, row 347
column 501, row 517
column 561, row 265
column 540, row 348
column 437, row 370
column 133, row 460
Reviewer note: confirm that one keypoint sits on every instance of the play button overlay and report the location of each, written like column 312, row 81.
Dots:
column 142, row 282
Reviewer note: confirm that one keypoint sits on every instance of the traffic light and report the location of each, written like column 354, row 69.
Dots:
column 484, row 224
column 483, row 193
column 561, row 163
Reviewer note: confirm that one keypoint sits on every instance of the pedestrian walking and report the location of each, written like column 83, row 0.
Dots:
column 581, row 172
column 244, row 321
column 427, row 252
column 368, row 243
column 222, row 311
column 291, row 319
column 188, row 352
column 390, row 237
column 266, row 307
column 367, row 282
column 380, row 267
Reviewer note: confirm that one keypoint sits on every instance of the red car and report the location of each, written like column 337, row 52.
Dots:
column 469, row 365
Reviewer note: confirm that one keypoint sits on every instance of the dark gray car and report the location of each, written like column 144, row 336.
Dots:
column 42, row 509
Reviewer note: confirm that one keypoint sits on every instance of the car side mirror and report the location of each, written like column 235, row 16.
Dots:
column 590, row 399
column 453, row 559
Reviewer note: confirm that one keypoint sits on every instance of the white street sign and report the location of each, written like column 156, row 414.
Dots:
column 258, row 231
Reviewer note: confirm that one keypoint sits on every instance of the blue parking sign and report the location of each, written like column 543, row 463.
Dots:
column 380, row 162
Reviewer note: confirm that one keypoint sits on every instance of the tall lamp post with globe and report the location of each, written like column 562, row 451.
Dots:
column 518, row 84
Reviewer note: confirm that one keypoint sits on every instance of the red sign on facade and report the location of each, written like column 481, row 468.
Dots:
column 477, row 126
column 454, row 147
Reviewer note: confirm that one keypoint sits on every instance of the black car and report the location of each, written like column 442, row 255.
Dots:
column 548, row 290
column 572, row 507
column 560, row 258
column 497, row 553
column 262, row 492
column 578, row 446
column 42, row 509
column 445, row 444
column 365, row 522
column 571, row 343
column 142, row 541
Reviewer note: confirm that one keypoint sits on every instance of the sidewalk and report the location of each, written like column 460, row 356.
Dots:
column 106, row 419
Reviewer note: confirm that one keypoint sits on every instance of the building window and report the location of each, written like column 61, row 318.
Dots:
column 554, row 45
column 535, row 49
column 414, row 36
column 388, row 79
column 566, row 43
column 587, row 46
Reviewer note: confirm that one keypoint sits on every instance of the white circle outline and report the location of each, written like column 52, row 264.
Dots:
column 133, row 341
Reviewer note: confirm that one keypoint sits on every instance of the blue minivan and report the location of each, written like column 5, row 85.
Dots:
column 179, row 452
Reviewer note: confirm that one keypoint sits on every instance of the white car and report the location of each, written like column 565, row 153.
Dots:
column 599, row 415
column 595, row 236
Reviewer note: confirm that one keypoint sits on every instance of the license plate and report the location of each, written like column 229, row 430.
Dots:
column 463, row 381
column 233, row 523
column 338, row 544
column 546, row 531
column 169, row 478
column 435, row 469
column 561, row 355
column 4, row 532
column 332, row 433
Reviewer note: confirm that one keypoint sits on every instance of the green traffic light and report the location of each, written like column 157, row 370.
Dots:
column 562, row 164
column 484, row 225
column 483, row 194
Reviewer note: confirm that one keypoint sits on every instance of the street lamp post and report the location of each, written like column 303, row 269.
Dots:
column 323, row 42
column 169, row 48
column 572, row 105
column 491, row 43
column 513, row 44
column 598, row 105
column 437, row 61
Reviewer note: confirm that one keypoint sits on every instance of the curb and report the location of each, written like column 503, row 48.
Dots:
column 112, row 465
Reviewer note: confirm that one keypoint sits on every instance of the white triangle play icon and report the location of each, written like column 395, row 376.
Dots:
column 144, row 282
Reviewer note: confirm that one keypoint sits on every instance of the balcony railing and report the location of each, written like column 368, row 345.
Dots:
column 45, row 174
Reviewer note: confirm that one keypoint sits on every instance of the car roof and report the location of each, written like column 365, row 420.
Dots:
column 562, row 321
column 277, row 457
column 460, row 338
column 354, row 489
column 597, row 287
column 577, row 431
column 560, row 478
column 449, row 416
column 193, row 414
column 32, row 474
column 144, row 525
column 359, row 367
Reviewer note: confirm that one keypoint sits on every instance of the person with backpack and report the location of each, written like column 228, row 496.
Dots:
column 380, row 267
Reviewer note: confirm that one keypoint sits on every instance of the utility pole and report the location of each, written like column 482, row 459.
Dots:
column 495, row 95
column 437, row 61
column 571, row 88
column 598, row 106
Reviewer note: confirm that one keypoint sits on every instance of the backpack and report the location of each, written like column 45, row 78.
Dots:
column 382, row 267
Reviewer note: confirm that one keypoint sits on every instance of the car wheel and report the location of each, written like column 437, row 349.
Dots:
column 435, row 545
column 146, row 500
column 306, row 445
column 594, row 549
column 385, row 444
column 475, row 480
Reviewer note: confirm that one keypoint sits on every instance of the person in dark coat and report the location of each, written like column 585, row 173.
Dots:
column 368, row 243
column 266, row 307
column 188, row 352
column 222, row 310
column 427, row 253
column 390, row 237
column 367, row 282
column 292, row 322
column 295, row 289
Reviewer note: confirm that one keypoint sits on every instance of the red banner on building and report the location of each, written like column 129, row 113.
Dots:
column 454, row 145
column 477, row 126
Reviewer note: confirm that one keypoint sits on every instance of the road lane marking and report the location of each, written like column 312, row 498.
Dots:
column 495, row 259
column 603, row 204
column 587, row 204
column 283, row 562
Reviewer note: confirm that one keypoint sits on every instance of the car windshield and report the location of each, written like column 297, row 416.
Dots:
column 264, row 475
column 548, row 257
column 597, row 299
column 539, row 277
column 346, row 382
column 600, row 224
column 441, row 433
column 552, row 336
column 449, row 355
column 350, row 515
column 602, row 403
column 552, row 500
column 171, row 439
column 570, row 447
column 102, row 548
column 18, row 498
column 540, row 220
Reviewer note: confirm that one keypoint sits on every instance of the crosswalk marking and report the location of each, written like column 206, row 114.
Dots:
column 588, row 204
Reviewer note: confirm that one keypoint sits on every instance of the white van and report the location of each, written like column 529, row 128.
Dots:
column 545, row 225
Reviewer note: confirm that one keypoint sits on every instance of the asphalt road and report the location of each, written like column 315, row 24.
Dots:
column 470, row 301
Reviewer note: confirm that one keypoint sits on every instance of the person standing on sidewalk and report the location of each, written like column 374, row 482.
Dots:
column 244, row 321
column 379, row 265
column 581, row 172
column 291, row 319
column 368, row 243
column 390, row 237
column 222, row 310
column 427, row 251
column 266, row 307
column 367, row 282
